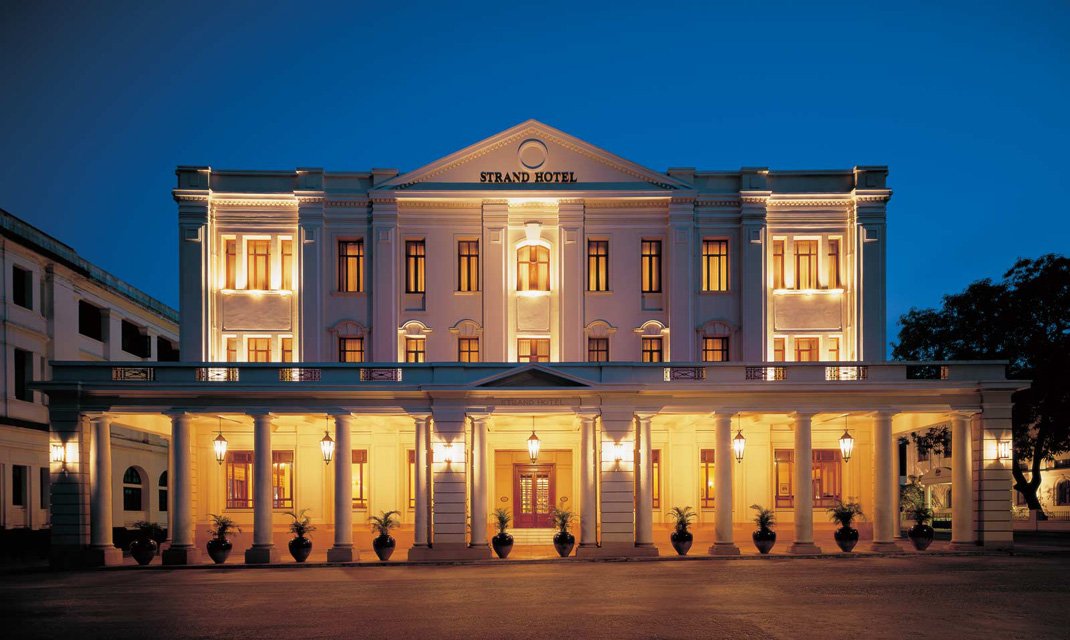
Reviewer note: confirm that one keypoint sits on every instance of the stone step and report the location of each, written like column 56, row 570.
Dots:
column 528, row 537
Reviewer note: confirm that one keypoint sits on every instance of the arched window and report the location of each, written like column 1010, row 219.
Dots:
column 532, row 268
column 1062, row 493
column 162, row 506
column 132, row 490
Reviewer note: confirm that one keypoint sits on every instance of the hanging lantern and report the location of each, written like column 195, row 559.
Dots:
column 533, row 443
column 847, row 445
column 327, row 447
column 738, row 444
column 220, row 444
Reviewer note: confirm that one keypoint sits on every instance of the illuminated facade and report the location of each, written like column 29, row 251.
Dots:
column 635, row 321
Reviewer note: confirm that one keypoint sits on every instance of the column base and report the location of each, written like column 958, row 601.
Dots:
column 724, row 549
column 102, row 557
column 885, row 547
column 617, row 550
column 180, row 555
column 449, row 551
column 343, row 554
column 805, row 548
column 266, row 554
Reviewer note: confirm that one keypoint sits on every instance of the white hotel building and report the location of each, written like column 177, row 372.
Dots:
column 431, row 321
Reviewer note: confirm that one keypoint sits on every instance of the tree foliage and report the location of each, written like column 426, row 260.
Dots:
column 1024, row 318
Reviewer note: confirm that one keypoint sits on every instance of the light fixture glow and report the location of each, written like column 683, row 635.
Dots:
column 533, row 443
column 57, row 453
column 327, row 447
column 219, row 445
column 618, row 452
column 847, row 443
column 1003, row 449
column 738, row 444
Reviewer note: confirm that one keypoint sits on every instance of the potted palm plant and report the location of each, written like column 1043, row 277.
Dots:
column 300, row 546
column 502, row 542
column 921, row 534
column 843, row 513
column 384, row 543
column 144, row 546
column 219, row 545
column 563, row 539
column 681, row 537
column 764, row 538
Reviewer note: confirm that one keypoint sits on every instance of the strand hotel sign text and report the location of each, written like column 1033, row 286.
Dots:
column 526, row 177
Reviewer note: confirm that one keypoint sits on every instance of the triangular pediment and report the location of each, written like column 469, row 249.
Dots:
column 533, row 157
column 531, row 376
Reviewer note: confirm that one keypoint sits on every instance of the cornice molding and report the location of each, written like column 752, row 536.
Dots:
column 339, row 204
column 660, row 203
column 439, row 204
column 271, row 203
column 811, row 202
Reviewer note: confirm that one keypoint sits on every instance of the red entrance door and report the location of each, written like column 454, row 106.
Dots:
column 533, row 494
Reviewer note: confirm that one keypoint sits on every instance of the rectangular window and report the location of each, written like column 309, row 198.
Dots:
column 598, row 265
column 652, row 350
column 468, row 265
column 825, row 477
column 240, row 480
column 784, row 461
column 706, row 461
column 650, row 265
column 258, row 265
column 20, row 480
column 282, row 479
column 806, row 350
column 286, row 349
column 23, row 375
column 232, row 349
column 161, row 494
column 351, row 266
column 350, row 349
column 134, row 340
column 778, row 264
column 655, row 462
column 414, row 350
column 779, row 351
column 715, row 349
column 533, row 350
column 90, row 321
column 230, row 248
column 360, row 478
column 597, row 349
column 532, row 268
column 286, row 248
column 259, row 350
column 468, row 350
column 22, row 287
column 715, row 265
column 806, row 264
column 45, row 498
column 834, row 264
column 415, row 261
column 411, row 455
column 166, row 351
column 834, row 349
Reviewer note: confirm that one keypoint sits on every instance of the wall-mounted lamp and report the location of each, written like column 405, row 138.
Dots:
column 618, row 452
column 327, row 444
column 219, row 445
column 57, row 453
column 1003, row 450
column 847, row 442
column 533, row 443
column 739, row 443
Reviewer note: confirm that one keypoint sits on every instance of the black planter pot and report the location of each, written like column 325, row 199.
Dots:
column 300, row 548
column 681, row 541
column 503, row 544
column 219, row 549
column 563, row 542
column 921, row 536
column 764, row 539
column 144, row 550
column 846, row 538
column 384, row 546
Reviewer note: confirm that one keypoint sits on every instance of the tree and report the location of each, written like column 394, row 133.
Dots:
column 1023, row 319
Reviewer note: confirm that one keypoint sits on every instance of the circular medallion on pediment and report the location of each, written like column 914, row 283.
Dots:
column 531, row 153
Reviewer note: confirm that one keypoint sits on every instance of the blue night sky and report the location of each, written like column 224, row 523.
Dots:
column 966, row 104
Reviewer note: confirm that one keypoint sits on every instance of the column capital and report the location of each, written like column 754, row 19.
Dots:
column 964, row 414
column 644, row 415
column 420, row 416
column 803, row 415
column 98, row 416
column 883, row 413
column 478, row 414
column 584, row 416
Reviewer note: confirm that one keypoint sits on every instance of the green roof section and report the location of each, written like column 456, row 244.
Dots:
column 25, row 233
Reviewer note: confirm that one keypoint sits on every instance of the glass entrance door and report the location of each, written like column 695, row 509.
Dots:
column 533, row 495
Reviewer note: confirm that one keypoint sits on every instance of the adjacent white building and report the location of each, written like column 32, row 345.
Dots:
column 431, row 322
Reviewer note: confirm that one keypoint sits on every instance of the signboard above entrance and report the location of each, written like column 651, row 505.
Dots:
column 502, row 177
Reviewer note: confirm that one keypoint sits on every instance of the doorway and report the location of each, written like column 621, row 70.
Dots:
column 534, row 495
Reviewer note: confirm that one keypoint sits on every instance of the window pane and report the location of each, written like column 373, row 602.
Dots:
column 715, row 349
column 650, row 265
column 655, row 461
column 351, row 266
column 282, row 479
column 652, row 350
column 715, row 265
column 90, row 321
column 350, row 349
column 259, row 350
column 707, row 460
column 598, row 349
column 778, row 264
column 231, row 264
column 598, row 265
column 806, row 264
column 22, row 287
column 415, row 256
column 834, row 264
column 258, row 264
column 806, row 350
column 360, row 478
column 468, row 350
column 468, row 265
column 414, row 350
column 287, row 265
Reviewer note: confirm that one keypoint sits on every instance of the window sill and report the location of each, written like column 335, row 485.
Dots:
column 257, row 292
column 715, row 293
column 599, row 293
column 467, row 293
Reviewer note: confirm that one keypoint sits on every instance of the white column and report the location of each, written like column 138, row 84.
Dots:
column 722, row 469
column 588, row 489
column 885, row 511
column 479, row 481
column 644, row 469
column 263, row 550
column 423, row 488
column 804, row 488
column 100, row 525
column 180, row 477
column 343, row 549
column 962, row 531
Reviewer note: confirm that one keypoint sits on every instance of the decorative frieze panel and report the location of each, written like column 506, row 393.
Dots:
column 300, row 374
column 133, row 374
column 684, row 373
column 767, row 373
column 380, row 375
column 217, row 374
column 846, row 373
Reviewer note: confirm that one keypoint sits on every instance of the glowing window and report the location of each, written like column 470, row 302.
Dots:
column 360, row 478
column 350, row 266
column 706, row 469
column 282, row 479
column 468, row 350
column 806, row 350
column 779, row 351
column 833, row 264
column 350, row 349
column 414, row 350
column 834, row 349
column 533, row 268
column 598, row 265
column 412, row 478
column 286, row 249
column 415, row 263
column 652, row 349
column 597, row 349
column 806, row 264
column 286, row 349
column 715, row 265
column 533, row 350
column 650, row 266
column 655, row 463
column 468, row 265
column 259, row 350
column 778, row 264
column 715, row 349
column 258, row 264
column 230, row 248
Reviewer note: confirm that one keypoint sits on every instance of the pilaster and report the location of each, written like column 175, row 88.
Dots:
column 753, row 281
column 992, row 475
column 680, row 278
column 494, row 245
column 573, row 250
column 312, row 251
column 386, row 278
column 194, row 262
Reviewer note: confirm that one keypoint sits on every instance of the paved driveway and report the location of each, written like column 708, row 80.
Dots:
column 930, row 597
